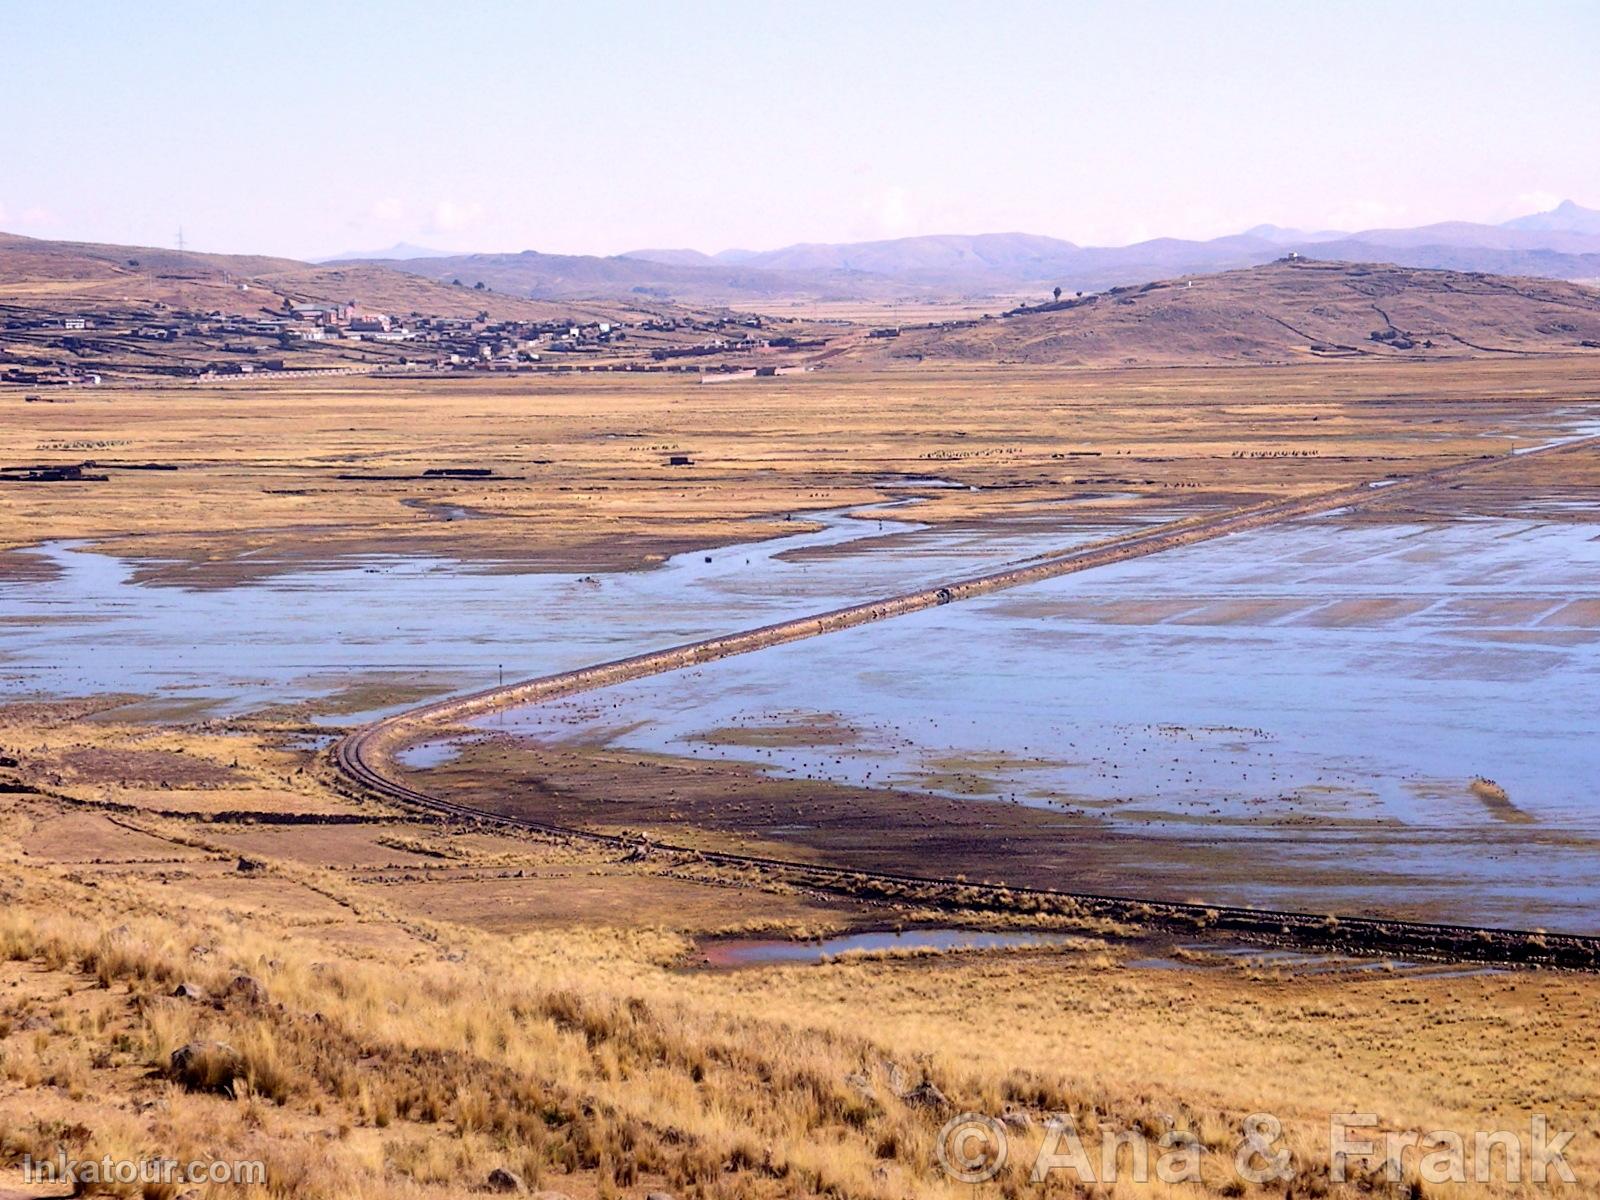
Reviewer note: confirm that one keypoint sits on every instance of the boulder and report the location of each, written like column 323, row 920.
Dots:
column 248, row 989
column 189, row 991
column 206, row 1066
column 926, row 1095
column 895, row 1076
column 504, row 1179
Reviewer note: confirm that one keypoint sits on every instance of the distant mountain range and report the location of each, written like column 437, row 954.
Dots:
column 1563, row 243
column 1565, row 217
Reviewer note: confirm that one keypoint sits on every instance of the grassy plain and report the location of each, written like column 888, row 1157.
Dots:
column 581, row 463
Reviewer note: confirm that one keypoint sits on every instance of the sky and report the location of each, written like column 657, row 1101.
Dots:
column 308, row 129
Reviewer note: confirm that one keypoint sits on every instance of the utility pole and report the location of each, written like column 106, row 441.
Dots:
column 180, row 239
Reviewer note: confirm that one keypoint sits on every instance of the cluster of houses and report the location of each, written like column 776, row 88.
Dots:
column 159, row 340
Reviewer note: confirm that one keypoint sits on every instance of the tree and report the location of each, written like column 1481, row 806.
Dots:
column 1058, row 295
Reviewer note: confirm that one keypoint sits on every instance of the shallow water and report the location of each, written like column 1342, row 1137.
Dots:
column 1325, row 689
column 1322, row 693
column 1374, row 663
column 749, row 952
column 437, row 625
column 421, row 756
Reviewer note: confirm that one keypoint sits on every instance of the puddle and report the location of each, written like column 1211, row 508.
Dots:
column 441, row 510
column 313, row 743
column 420, row 756
column 922, row 483
column 755, row 952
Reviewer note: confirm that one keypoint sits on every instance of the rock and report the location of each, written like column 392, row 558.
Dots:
column 894, row 1074
column 206, row 1066
column 248, row 989
column 189, row 991
column 659, row 1196
column 926, row 1095
column 504, row 1179
column 36, row 1021
column 861, row 1085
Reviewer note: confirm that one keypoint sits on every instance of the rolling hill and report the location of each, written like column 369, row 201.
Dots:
column 1283, row 312
column 623, row 277
column 82, row 276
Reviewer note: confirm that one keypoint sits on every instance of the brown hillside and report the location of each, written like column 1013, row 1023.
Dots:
column 1286, row 311
column 82, row 276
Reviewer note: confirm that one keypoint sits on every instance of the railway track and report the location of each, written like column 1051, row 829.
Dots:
column 365, row 757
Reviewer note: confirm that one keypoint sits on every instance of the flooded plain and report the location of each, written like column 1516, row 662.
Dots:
column 81, row 623
column 1377, row 715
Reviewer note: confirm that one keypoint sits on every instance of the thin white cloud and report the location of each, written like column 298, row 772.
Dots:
column 892, row 209
column 388, row 209
column 34, row 217
column 1357, row 215
column 449, row 216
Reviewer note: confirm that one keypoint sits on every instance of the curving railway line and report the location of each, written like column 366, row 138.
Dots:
column 365, row 757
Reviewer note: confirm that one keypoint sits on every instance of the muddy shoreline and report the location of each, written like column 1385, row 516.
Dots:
column 1358, row 935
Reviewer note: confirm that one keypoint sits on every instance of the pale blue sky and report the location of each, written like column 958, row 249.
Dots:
column 307, row 129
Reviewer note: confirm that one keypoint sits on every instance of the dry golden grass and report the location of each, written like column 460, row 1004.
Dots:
column 380, row 1053
column 582, row 478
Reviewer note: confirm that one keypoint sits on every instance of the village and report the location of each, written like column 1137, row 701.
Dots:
column 60, row 347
